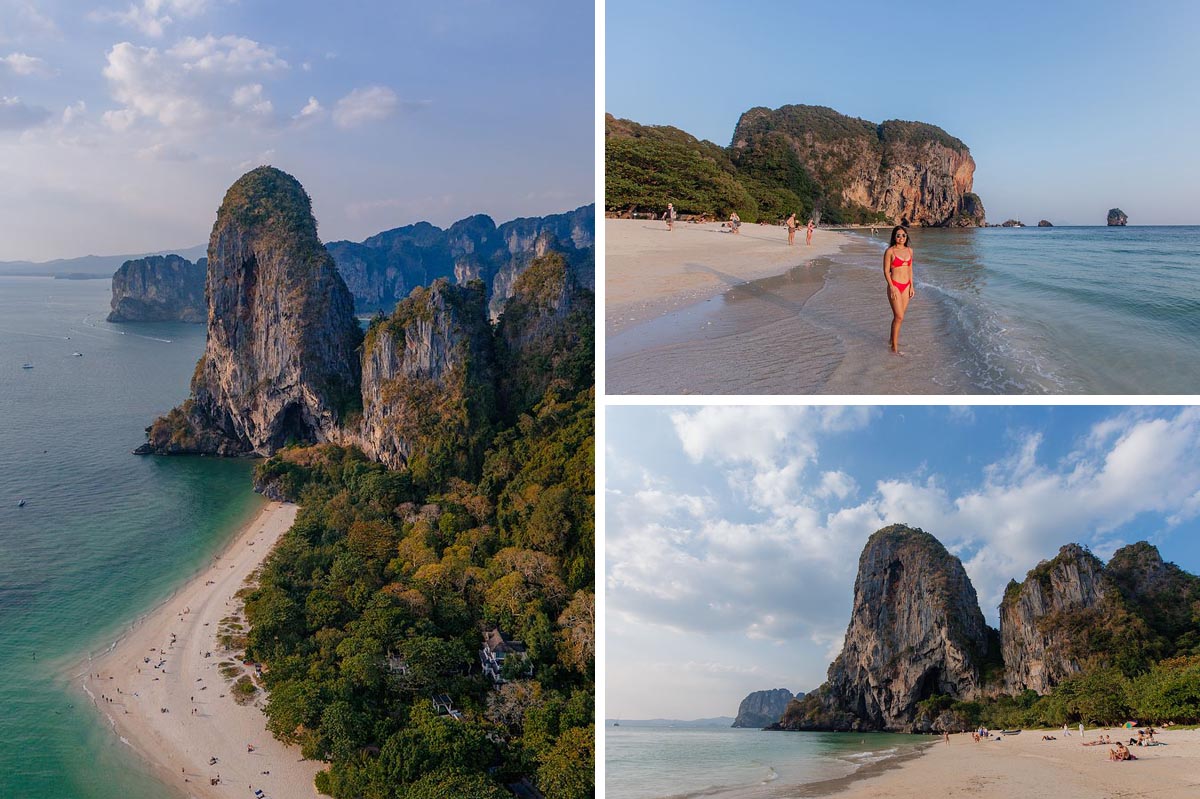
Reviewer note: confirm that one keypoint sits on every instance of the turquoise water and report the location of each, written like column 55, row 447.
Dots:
column 726, row 763
column 104, row 536
column 1078, row 310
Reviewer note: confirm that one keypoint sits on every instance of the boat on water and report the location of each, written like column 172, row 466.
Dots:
column 21, row 504
column 77, row 354
column 27, row 365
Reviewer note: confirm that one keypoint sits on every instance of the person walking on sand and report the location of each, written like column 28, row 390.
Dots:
column 669, row 216
column 791, row 226
column 898, row 272
column 808, row 236
column 1081, row 730
column 735, row 222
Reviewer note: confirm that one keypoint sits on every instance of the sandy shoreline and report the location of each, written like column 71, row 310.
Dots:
column 649, row 271
column 130, row 688
column 820, row 327
column 1026, row 766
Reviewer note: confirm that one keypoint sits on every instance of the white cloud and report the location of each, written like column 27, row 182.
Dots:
column 162, row 151
column 370, row 104
column 311, row 112
column 190, row 85
column 74, row 112
column 18, row 115
column 152, row 17
column 22, row 64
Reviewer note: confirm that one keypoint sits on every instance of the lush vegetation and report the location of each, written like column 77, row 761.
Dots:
column 378, row 598
column 791, row 160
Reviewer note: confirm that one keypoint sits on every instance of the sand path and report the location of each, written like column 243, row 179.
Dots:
column 202, row 720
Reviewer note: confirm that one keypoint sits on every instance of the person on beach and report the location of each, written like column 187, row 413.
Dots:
column 898, row 272
column 735, row 222
column 808, row 236
column 791, row 226
column 669, row 216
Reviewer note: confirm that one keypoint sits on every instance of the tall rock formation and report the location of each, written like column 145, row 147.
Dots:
column 281, row 362
column 1043, row 620
column 1117, row 218
column 428, row 375
column 159, row 288
column 546, row 335
column 910, row 172
column 915, row 631
column 385, row 268
column 763, row 707
column 1162, row 595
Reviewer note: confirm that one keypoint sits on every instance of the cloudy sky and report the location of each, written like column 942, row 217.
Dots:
column 733, row 533
column 1069, row 108
column 122, row 122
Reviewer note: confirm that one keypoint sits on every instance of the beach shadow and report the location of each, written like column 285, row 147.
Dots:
column 752, row 288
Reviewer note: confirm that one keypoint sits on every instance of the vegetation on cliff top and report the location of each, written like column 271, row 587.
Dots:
column 762, row 176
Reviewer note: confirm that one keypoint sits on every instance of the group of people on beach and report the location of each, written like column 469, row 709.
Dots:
column 897, row 266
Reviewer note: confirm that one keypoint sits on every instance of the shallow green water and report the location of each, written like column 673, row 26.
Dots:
column 104, row 536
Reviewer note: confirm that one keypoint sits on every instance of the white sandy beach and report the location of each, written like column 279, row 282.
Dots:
column 649, row 271
column 1028, row 767
column 202, row 720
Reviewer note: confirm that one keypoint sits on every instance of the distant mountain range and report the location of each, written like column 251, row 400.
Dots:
column 90, row 266
column 718, row 721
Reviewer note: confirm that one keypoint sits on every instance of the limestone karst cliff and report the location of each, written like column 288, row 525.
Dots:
column 915, row 631
column 428, row 374
column 1043, row 621
column 159, row 288
column 908, row 171
column 281, row 361
column 805, row 159
column 383, row 269
column 761, row 708
column 1117, row 218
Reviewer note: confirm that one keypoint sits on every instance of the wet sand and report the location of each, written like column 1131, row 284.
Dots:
column 821, row 328
column 650, row 271
column 161, row 664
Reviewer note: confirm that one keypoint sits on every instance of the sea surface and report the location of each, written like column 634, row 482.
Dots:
column 104, row 536
column 727, row 763
column 1076, row 310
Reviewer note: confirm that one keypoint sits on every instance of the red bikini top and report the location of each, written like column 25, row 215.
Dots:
column 897, row 262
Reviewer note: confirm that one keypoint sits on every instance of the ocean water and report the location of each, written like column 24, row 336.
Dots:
column 104, row 535
column 726, row 763
column 1076, row 310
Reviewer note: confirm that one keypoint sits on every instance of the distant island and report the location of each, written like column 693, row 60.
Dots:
column 802, row 159
column 1080, row 641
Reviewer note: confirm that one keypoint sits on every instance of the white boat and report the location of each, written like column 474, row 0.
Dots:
column 77, row 354
column 21, row 504
column 27, row 365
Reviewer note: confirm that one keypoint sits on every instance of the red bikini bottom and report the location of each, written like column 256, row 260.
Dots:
column 902, row 286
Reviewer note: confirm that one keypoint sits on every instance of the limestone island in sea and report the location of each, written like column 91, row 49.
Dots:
column 434, row 585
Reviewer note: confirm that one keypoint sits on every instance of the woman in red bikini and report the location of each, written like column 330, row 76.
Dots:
column 898, row 272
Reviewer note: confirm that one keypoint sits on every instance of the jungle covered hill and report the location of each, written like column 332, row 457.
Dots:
column 808, row 160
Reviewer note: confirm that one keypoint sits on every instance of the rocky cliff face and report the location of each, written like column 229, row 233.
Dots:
column 1161, row 594
column 159, row 289
column 385, row 268
column 1041, row 619
column 281, row 360
column 915, row 631
column 762, row 708
column 911, row 172
column 427, row 368
column 1117, row 218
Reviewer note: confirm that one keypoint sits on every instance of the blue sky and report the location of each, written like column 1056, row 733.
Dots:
column 122, row 122
column 1069, row 108
column 733, row 533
